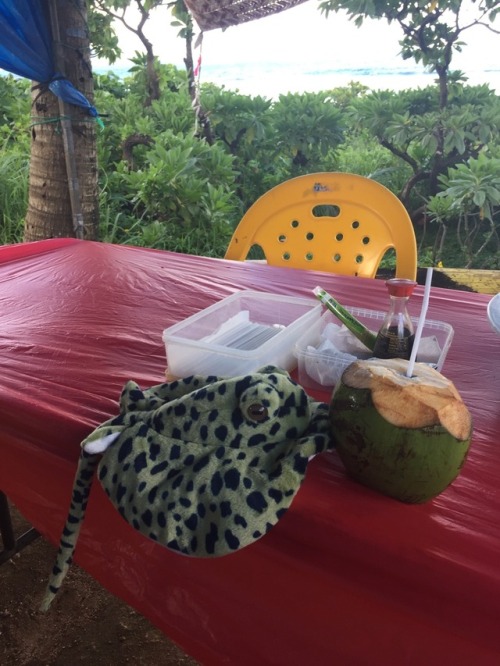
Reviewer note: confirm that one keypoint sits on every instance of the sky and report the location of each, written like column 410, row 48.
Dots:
column 300, row 48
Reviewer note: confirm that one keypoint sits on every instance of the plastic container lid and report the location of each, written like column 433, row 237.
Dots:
column 239, row 334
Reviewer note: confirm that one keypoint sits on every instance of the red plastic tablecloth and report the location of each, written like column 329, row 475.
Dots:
column 347, row 576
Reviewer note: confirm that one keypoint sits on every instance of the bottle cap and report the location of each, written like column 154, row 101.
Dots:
column 400, row 287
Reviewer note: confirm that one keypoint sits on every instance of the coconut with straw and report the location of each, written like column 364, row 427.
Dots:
column 400, row 427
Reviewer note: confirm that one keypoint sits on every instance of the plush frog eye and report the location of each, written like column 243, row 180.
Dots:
column 257, row 412
column 268, row 408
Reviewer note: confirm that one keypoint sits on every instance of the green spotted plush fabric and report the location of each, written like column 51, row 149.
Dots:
column 202, row 465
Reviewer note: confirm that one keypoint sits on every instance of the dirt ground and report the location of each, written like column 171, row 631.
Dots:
column 89, row 627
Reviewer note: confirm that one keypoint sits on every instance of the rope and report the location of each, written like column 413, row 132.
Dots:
column 40, row 120
column 196, row 102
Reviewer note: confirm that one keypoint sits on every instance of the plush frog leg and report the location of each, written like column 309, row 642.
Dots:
column 133, row 403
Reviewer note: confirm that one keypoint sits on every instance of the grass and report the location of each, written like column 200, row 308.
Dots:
column 14, row 169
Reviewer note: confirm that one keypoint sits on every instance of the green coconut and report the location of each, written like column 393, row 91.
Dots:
column 407, row 437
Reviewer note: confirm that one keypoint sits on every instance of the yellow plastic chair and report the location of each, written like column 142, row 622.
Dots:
column 335, row 222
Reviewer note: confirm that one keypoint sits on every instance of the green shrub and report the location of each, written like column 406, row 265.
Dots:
column 182, row 195
column 14, row 157
column 14, row 167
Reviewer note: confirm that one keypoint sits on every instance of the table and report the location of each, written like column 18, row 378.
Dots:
column 347, row 576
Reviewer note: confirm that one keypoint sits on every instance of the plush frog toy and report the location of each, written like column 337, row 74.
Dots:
column 202, row 465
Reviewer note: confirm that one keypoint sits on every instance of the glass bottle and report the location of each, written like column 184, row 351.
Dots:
column 396, row 335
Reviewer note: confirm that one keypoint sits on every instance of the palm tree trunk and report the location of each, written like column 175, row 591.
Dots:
column 50, row 213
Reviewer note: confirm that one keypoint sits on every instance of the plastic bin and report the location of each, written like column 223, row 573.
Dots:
column 320, row 370
column 240, row 334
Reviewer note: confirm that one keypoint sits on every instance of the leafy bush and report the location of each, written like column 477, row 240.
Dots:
column 14, row 157
column 162, row 186
column 182, row 194
column 471, row 196
column 14, row 167
column 363, row 155
column 308, row 128
column 274, row 141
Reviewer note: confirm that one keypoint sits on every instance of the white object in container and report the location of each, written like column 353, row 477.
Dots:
column 326, row 348
column 239, row 334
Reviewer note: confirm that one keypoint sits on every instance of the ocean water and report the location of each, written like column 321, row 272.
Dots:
column 271, row 80
column 274, row 79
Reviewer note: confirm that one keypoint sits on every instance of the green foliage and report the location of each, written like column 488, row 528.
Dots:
column 105, row 41
column 274, row 141
column 425, row 138
column 182, row 19
column 242, row 124
column 343, row 97
column 375, row 110
column 161, row 185
column 14, row 168
column 181, row 194
column 14, row 157
column 109, row 87
column 363, row 155
column 170, row 78
column 14, row 103
column 474, row 186
column 121, row 102
column 239, row 121
column 309, row 129
column 470, row 202
column 185, row 169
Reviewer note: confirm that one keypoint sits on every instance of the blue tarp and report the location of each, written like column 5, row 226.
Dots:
column 25, row 49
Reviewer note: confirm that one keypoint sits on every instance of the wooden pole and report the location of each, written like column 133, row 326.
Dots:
column 67, row 131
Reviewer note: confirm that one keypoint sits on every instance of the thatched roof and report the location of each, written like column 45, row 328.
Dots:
column 211, row 14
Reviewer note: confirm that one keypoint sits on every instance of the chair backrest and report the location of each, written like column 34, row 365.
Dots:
column 335, row 222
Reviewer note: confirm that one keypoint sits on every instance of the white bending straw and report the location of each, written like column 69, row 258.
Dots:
column 421, row 322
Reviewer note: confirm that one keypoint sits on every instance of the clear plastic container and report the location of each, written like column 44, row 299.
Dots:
column 239, row 334
column 321, row 369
